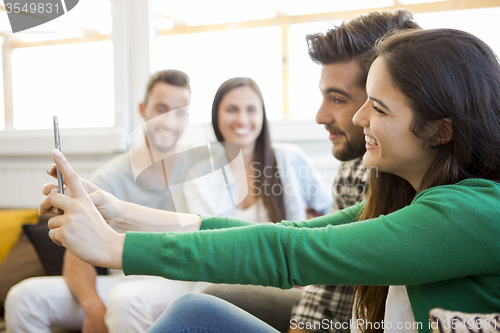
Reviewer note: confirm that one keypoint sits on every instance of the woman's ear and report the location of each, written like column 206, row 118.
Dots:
column 443, row 131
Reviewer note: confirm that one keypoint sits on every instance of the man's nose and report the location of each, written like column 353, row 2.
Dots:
column 323, row 115
column 167, row 120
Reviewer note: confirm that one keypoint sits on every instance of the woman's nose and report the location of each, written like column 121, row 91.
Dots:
column 242, row 117
column 360, row 118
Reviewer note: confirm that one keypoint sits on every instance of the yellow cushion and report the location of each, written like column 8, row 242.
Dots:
column 11, row 221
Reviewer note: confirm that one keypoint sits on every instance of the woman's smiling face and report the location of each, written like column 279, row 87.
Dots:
column 386, row 119
column 241, row 116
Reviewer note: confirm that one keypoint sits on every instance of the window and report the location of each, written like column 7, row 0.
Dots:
column 304, row 95
column 72, row 81
column 202, row 12
column 210, row 58
column 480, row 22
column 63, row 67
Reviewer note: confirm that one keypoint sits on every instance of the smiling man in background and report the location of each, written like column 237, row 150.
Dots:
column 82, row 300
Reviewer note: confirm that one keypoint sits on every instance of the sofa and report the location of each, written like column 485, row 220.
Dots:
column 25, row 249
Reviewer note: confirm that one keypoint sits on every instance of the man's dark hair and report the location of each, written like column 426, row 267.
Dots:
column 168, row 76
column 354, row 40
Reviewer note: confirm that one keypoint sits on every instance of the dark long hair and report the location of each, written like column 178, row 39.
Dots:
column 263, row 156
column 443, row 73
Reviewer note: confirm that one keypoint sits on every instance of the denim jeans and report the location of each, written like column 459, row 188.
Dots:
column 271, row 305
column 200, row 313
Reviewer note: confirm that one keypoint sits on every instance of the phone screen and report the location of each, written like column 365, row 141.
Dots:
column 57, row 140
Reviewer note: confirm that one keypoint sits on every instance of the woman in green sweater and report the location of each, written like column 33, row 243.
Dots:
column 427, row 235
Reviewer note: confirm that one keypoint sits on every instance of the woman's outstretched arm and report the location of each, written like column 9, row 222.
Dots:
column 124, row 216
column 434, row 239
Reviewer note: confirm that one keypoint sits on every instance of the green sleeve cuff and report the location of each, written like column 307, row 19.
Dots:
column 139, row 258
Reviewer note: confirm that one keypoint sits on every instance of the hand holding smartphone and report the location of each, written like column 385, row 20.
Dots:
column 57, row 139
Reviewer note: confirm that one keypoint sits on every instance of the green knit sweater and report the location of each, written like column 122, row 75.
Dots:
column 444, row 247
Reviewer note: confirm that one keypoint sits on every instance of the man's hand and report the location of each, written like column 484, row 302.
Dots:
column 81, row 228
column 107, row 204
column 94, row 319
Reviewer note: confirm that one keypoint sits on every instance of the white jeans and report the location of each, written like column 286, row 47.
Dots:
column 133, row 303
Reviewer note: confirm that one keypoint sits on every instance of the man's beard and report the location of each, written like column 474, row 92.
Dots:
column 162, row 148
column 153, row 129
column 350, row 150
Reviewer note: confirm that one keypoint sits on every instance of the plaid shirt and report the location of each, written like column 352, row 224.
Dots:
column 321, row 305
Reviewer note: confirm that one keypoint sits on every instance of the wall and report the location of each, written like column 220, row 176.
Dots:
column 22, row 177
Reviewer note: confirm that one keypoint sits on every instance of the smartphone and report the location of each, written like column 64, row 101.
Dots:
column 57, row 139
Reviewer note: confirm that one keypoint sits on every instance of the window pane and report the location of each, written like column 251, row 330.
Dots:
column 479, row 22
column 327, row 6
column 209, row 12
column 72, row 81
column 211, row 58
column 304, row 95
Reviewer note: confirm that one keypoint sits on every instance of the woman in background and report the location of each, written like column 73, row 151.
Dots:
column 266, row 182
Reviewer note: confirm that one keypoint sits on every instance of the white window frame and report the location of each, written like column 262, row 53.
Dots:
column 132, row 68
